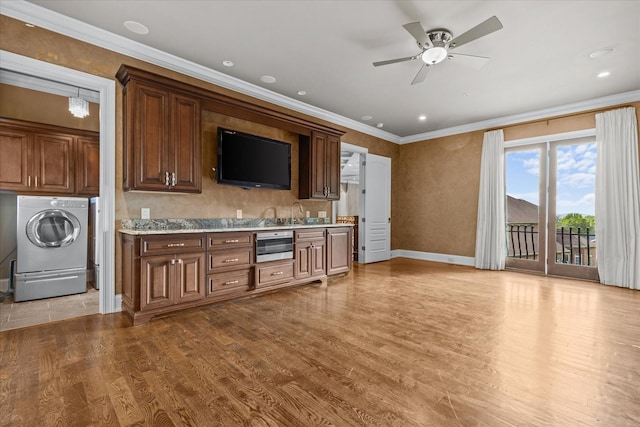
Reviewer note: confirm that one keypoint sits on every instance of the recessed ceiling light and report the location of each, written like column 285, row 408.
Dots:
column 30, row 25
column 601, row 52
column 422, row 117
column 465, row 94
column 604, row 74
column 302, row 93
column 227, row 63
column 365, row 118
column 348, row 164
column 268, row 79
column 380, row 125
column 136, row 27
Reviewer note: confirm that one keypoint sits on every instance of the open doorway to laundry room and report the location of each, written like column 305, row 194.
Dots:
column 31, row 96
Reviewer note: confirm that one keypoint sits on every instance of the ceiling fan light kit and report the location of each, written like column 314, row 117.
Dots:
column 435, row 46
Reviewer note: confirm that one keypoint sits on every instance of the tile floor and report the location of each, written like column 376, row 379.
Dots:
column 15, row 315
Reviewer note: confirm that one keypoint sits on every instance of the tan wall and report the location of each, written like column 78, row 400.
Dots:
column 40, row 107
column 437, row 184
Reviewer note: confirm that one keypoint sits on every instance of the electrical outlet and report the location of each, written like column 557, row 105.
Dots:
column 239, row 213
column 322, row 214
column 307, row 214
column 145, row 213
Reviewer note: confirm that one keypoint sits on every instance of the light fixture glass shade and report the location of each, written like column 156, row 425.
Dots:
column 79, row 107
column 434, row 55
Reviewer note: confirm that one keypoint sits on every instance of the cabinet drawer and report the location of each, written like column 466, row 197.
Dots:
column 274, row 274
column 239, row 257
column 310, row 234
column 163, row 245
column 228, row 240
column 231, row 281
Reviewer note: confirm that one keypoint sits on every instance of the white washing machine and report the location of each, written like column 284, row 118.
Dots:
column 52, row 247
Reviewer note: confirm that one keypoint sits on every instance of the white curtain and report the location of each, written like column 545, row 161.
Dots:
column 618, row 198
column 491, row 248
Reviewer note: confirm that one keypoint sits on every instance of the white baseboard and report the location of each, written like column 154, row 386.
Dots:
column 4, row 285
column 429, row 256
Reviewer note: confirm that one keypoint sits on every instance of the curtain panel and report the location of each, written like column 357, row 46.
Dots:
column 491, row 248
column 618, row 198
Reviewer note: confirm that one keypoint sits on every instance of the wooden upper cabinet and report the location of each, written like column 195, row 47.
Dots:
column 15, row 146
column 88, row 166
column 45, row 159
column 53, row 160
column 162, row 144
column 319, row 166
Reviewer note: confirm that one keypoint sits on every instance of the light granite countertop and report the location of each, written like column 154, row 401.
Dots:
column 217, row 225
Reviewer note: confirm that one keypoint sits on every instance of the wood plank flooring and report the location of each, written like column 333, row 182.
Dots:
column 399, row 343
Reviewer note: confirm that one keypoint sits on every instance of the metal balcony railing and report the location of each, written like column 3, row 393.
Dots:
column 522, row 240
column 574, row 245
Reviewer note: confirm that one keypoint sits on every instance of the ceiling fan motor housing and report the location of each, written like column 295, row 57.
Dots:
column 437, row 52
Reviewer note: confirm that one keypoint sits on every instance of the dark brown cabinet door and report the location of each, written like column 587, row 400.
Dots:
column 185, row 149
column 190, row 282
column 338, row 250
column 303, row 260
column 53, row 158
column 319, row 166
column 318, row 267
column 15, row 145
column 88, row 166
column 157, row 281
column 150, row 137
column 332, row 165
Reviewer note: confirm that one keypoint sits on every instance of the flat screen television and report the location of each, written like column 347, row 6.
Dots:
column 252, row 161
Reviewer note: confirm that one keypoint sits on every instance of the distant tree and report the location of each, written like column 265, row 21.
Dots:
column 576, row 220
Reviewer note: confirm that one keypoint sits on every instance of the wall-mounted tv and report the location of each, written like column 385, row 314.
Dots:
column 252, row 161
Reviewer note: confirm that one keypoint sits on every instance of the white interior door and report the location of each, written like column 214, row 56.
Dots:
column 376, row 222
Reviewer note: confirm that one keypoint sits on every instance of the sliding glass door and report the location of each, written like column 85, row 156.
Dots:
column 550, row 206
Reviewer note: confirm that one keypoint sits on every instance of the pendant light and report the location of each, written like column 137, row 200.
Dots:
column 78, row 106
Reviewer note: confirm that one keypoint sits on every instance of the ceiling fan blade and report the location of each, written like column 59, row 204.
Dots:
column 472, row 61
column 487, row 27
column 418, row 33
column 393, row 61
column 422, row 74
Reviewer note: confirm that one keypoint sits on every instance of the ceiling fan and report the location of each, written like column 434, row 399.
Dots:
column 435, row 46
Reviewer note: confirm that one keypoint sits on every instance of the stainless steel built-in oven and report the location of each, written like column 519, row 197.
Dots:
column 274, row 246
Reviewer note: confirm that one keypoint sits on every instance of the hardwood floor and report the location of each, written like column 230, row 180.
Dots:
column 405, row 343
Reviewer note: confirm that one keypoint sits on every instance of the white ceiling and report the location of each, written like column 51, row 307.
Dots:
column 539, row 60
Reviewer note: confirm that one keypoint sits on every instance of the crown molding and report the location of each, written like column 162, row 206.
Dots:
column 576, row 107
column 53, row 21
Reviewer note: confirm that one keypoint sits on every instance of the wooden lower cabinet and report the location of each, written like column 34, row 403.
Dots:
column 310, row 254
column 338, row 250
column 166, row 273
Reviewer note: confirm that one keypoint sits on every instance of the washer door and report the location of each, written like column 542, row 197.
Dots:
column 53, row 228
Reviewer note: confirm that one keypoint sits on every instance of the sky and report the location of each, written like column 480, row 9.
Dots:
column 575, row 177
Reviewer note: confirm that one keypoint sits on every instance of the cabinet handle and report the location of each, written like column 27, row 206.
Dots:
column 231, row 260
column 180, row 261
column 232, row 241
column 29, row 181
column 36, row 179
column 174, row 245
column 233, row 282
column 173, row 179
column 173, row 262
column 277, row 273
column 166, row 179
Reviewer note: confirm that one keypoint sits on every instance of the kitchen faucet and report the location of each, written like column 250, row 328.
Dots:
column 299, row 207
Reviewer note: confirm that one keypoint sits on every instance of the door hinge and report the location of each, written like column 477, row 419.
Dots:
column 363, row 248
column 364, row 191
column 364, row 220
column 364, row 163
